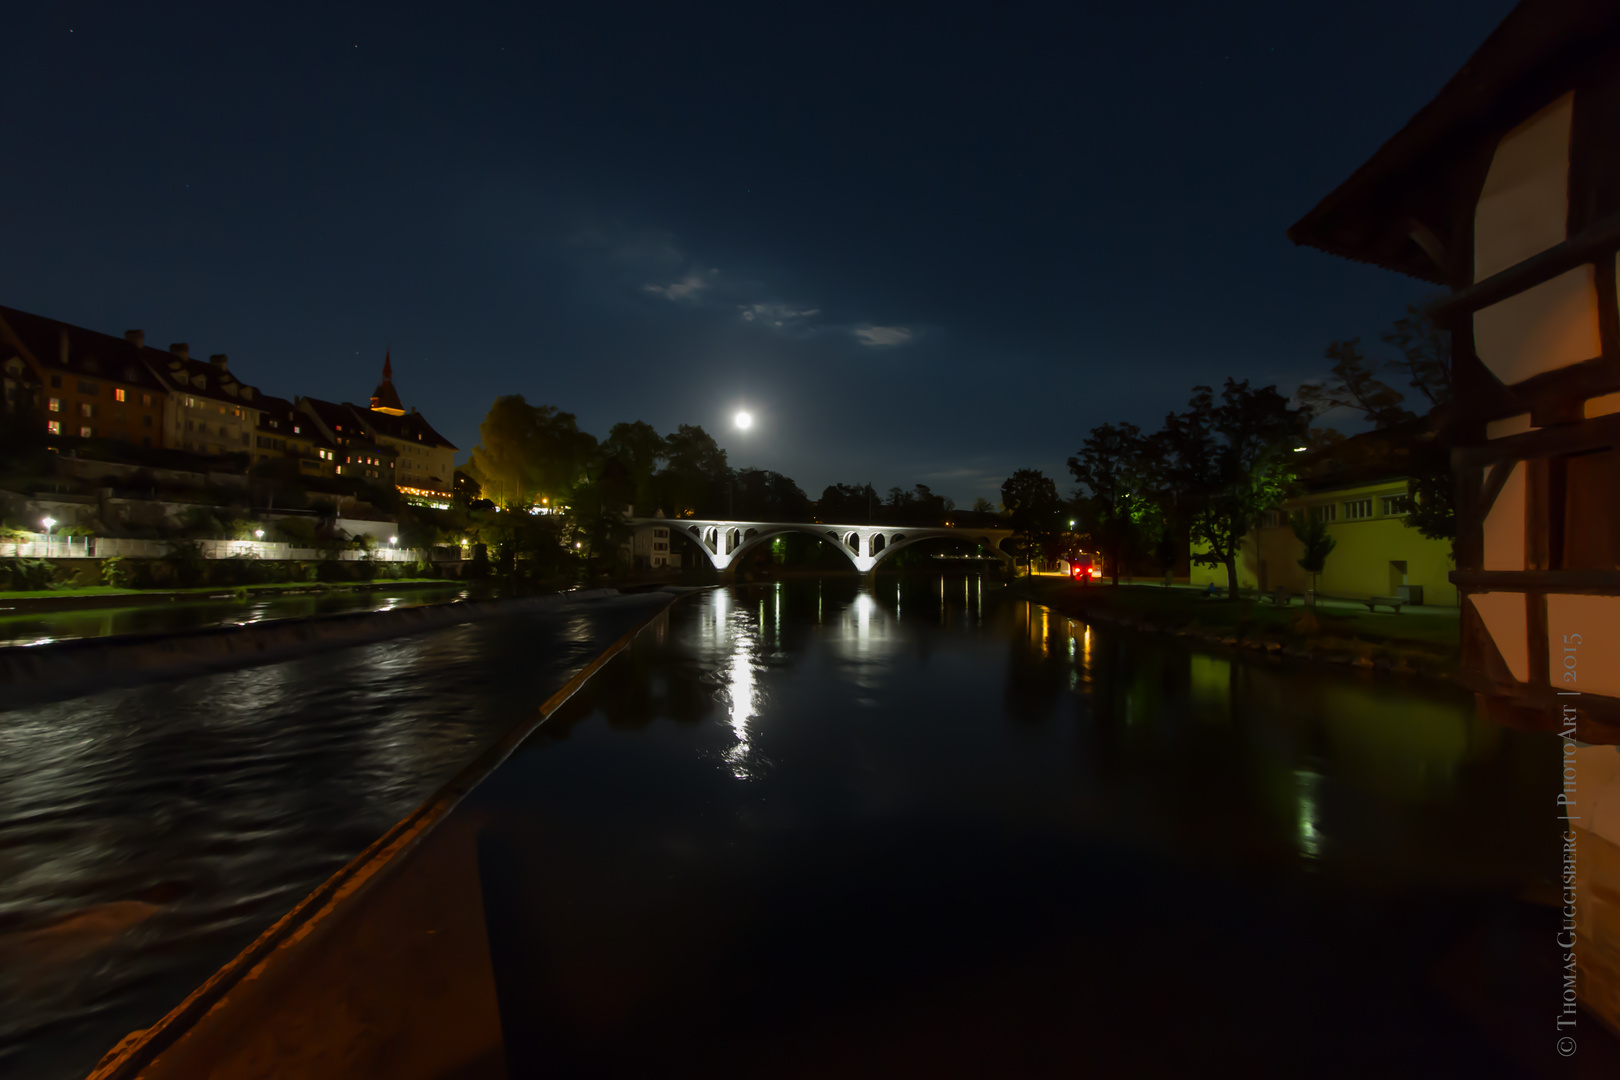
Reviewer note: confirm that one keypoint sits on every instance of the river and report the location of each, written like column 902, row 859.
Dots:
column 914, row 827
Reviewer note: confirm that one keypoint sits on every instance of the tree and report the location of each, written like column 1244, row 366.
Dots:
column 1035, row 511
column 1319, row 544
column 1425, row 361
column 525, row 451
column 640, row 449
column 1108, row 469
column 762, row 495
column 1353, row 385
column 694, row 480
column 846, row 503
column 1425, row 354
column 1221, row 466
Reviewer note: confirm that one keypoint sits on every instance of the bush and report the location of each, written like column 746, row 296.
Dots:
column 185, row 563
column 27, row 574
column 117, row 572
column 331, row 570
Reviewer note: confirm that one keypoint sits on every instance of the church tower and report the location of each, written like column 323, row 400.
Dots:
column 385, row 399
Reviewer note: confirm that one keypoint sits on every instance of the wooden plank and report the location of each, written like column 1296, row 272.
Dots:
column 1595, row 434
column 1550, row 581
column 1536, row 612
column 1601, row 240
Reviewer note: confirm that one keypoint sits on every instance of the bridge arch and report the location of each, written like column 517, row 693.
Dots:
column 865, row 546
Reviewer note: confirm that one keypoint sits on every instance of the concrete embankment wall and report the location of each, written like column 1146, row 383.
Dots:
column 59, row 669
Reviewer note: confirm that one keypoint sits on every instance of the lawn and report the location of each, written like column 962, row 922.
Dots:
column 1248, row 617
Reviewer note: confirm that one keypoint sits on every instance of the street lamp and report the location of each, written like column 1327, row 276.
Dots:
column 48, row 523
column 258, row 534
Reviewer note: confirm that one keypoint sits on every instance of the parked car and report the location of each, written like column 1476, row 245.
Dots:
column 1085, row 569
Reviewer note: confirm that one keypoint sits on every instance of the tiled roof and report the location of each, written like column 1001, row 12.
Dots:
column 412, row 427
column 201, row 379
column 89, row 354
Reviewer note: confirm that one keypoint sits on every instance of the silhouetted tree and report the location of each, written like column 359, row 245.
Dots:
column 1109, row 470
column 1034, row 510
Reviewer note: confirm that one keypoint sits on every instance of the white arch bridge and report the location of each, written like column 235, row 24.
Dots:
column 723, row 542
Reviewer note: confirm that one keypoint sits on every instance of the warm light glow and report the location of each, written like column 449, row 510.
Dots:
column 393, row 539
column 48, row 522
column 1299, row 449
column 744, row 420
column 258, row 534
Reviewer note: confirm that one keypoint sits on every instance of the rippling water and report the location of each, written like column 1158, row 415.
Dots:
column 222, row 609
column 147, row 834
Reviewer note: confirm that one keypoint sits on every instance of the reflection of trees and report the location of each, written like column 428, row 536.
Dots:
column 1038, row 663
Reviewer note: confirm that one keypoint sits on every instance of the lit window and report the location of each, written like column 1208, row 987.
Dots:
column 146, row 399
column 118, row 395
column 55, row 404
column 85, row 433
column 297, row 430
column 86, row 409
column 53, row 426
column 1358, row 509
column 1395, row 505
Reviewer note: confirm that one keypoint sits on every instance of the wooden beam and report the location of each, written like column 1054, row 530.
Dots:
column 1595, row 582
column 1595, row 434
column 1601, row 240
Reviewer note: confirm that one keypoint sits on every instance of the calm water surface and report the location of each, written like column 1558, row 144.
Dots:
column 919, row 831
column 804, row 829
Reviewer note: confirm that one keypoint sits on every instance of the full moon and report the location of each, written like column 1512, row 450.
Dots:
column 744, row 420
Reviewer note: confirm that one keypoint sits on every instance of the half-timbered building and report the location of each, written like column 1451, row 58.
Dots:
column 1506, row 189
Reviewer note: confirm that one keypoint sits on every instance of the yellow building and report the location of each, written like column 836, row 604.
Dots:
column 1358, row 486
column 1375, row 552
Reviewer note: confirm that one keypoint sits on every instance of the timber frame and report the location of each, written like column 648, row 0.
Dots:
column 1411, row 208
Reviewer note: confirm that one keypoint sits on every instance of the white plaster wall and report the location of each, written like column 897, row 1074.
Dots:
column 1505, row 618
column 1596, row 619
column 1524, row 206
column 1550, row 326
column 1504, row 525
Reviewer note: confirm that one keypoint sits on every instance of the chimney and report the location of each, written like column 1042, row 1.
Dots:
column 219, row 360
column 181, row 349
column 136, row 338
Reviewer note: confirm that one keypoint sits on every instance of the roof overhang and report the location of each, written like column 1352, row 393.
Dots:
column 1398, row 210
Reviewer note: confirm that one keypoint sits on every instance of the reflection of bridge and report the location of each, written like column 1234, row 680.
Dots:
column 722, row 542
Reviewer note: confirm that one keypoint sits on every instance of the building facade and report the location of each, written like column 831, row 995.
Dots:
column 207, row 410
column 87, row 385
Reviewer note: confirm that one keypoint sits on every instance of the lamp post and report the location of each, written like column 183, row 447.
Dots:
column 392, row 540
column 48, row 523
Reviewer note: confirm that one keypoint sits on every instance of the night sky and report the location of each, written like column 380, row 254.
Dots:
column 924, row 244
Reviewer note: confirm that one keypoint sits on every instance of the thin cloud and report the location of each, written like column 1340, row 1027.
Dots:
column 883, row 335
column 689, row 287
column 774, row 315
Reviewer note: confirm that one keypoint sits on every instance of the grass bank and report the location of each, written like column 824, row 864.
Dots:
column 1411, row 642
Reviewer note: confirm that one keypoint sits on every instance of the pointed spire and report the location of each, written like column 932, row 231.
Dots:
column 385, row 398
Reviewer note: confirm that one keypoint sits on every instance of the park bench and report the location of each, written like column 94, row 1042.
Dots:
column 1374, row 602
column 1282, row 598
